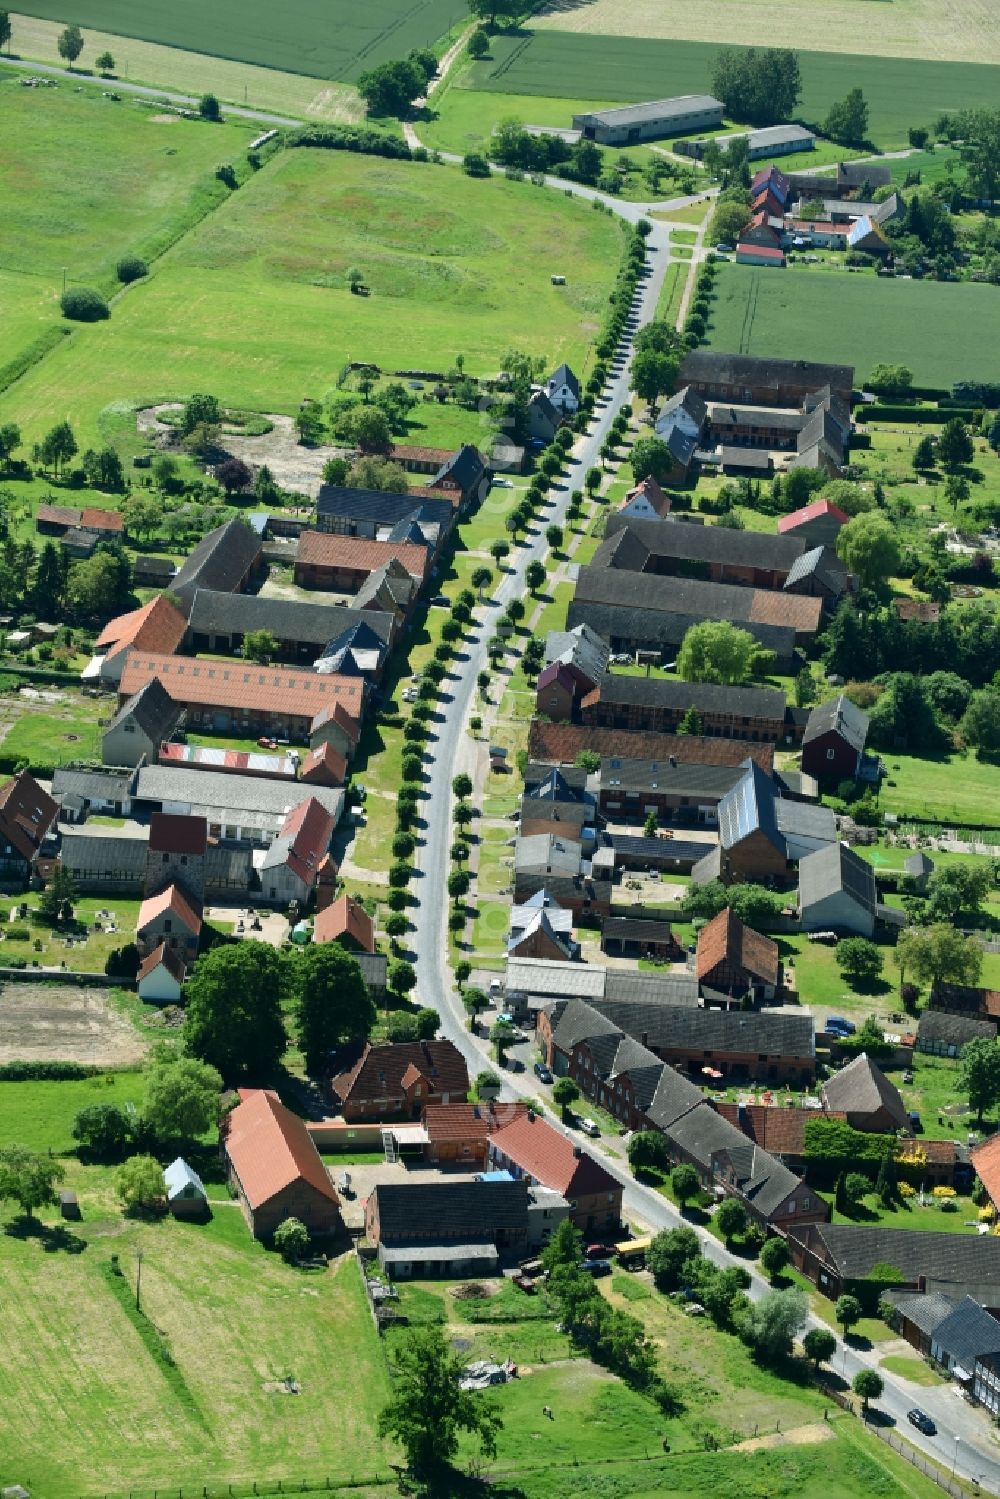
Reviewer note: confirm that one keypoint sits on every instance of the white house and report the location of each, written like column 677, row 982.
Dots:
column 186, row 1195
column 161, row 977
column 646, row 501
column 837, row 891
column 563, row 390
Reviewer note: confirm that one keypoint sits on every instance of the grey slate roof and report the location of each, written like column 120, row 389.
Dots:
column 465, row 1208
column 692, row 1029
column 219, row 560
column 666, row 625
column 838, row 716
column 390, row 587
column 701, row 1132
column 215, row 612
column 548, row 854
column 675, row 1096
column 556, row 786
column 681, row 779
column 966, row 1333
column 925, row 1309
column 91, row 785
column 247, row 796
column 950, row 1262
column 357, row 650
column 863, row 1088
column 581, row 647
column 682, row 541
column 941, row 1027
column 96, row 852
column 833, row 869
column 383, row 507
column 466, row 468
column 805, row 820
column 822, row 563
column 591, row 982
column 153, row 709
column 764, row 1180
column 750, row 807
column 704, row 366
column 564, row 376
column 917, row 865
column 622, row 986
column 747, row 702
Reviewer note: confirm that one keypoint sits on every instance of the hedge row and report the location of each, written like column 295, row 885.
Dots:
column 359, row 138
column 924, row 415
column 31, row 354
column 45, row 1072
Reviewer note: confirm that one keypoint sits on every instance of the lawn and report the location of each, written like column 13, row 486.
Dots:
column 911, row 1215
column 50, row 947
column 50, row 736
column 913, row 1369
column 959, row 789
column 40, row 1115
column 332, row 40
column 671, row 291
column 943, row 331
column 253, row 304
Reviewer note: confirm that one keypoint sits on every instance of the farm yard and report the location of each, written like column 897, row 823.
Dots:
column 900, row 91
column 253, row 304
column 943, row 331
column 965, row 31
column 337, row 40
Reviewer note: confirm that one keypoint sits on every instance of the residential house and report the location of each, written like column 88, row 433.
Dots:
column 275, row 1167
column 563, row 390
column 747, row 379
column 688, row 114
column 343, row 563
column 323, row 766
column 916, row 1314
column 158, row 626
column 169, row 918
column 762, row 835
column 458, row 1133
column 561, row 743
column 458, row 1228
column 646, row 501
column 334, row 725
column 557, row 863
column 770, row 179
column 218, row 622
column 639, row 937
column 140, row 726
column 680, row 424
column 186, row 1195
column 863, row 1093
column 966, row 1335
column 542, row 929
column 26, row 815
column 940, row 1034
column 675, row 792
column 733, row 959
column 770, row 1191
column 226, row 559
column 398, row 1081
column 660, row 705
column 581, row 651
column 161, row 975
column 818, row 523
column 345, row 921
column 241, row 808
column 839, row 1257
column 231, row 696
column 837, row 892
column 290, row 866
column 821, row 234
column 531, row 1149
column 544, row 420
column 462, row 476
column 833, row 745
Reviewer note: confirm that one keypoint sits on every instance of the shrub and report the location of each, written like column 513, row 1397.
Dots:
column 131, row 268
column 945, row 1193
column 906, row 1189
column 84, row 305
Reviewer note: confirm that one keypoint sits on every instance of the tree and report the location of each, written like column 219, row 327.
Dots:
column 140, row 1185
column 859, row 959
column 70, row 44
column 10, row 437
column 847, row 120
column 869, row 547
column 956, row 490
column 650, row 458
column 684, row 1183
column 939, row 954
column 28, row 1179
column 102, row 1131
column 728, row 222
column 291, row 1240
column 479, row 43
column 588, row 760
column 731, row 1218
column 181, row 1100
column 758, row 85
column 690, row 723
column 820, row 1345
column 234, row 476
column 979, row 149
column 770, row 1326
column 200, row 410
column 105, row 63
column 233, row 1017
column 335, row 471
column 428, row 1409
column 868, row 1385
column 534, row 576
column 651, row 826
column 99, row 584
column 554, row 536
column 565, row 1094
column 962, row 887
column 461, row 786
column 647, row 1148
column 774, row 1257
column 58, row 895
column 954, row 445
column 402, row 977
column 482, row 577
column 671, row 1257
column 57, row 446
column 391, row 87
column 847, row 1312
column 979, row 1074
column 103, row 470
column 209, row 108
column 980, row 724
column 260, row 646
column 373, row 472
column 925, row 453
column 716, row 651
column 653, row 374
column 6, row 30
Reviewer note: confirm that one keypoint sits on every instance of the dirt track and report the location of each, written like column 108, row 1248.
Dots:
column 61, row 1022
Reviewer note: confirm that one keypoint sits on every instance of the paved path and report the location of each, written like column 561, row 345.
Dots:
column 144, row 91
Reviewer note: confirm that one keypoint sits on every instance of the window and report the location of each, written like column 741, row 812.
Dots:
column 168, row 925
column 791, row 1206
column 806, row 1204
column 831, row 754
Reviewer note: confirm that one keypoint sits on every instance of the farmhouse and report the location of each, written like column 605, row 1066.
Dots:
column 747, row 380
column 275, row 1167
column 397, row 1081
column 455, row 1228
column 544, row 420
column 678, row 549
column 248, row 808
column 862, row 1092
column 532, row 1150
column 676, row 792
column 290, row 867
column 620, row 702
column 158, row 626
column 563, row 390
column 685, row 115
column 169, row 918
column 762, row 833
column 733, row 959
column 219, row 622
column 140, row 726
column 373, row 513
column 227, row 559
column 346, row 921
column 345, row 563
column 541, row 928
column 819, row 523
column 833, row 745
column 232, row 696
column 848, row 180
column 26, row 815
column 560, row 743
column 459, row 1132
column 841, row 1256
column 837, row 892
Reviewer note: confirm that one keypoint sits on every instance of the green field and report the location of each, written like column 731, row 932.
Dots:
column 253, row 304
column 900, row 91
column 321, row 39
column 944, row 331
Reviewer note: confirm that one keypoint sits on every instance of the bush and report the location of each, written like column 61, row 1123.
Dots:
column 474, row 164
column 131, row 268
column 359, row 138
column 84, row 305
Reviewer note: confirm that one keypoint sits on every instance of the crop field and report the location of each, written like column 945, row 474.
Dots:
column 321, row 38
column 900, row 91
column 253, row 304
column 962, row 31
column 944, row 331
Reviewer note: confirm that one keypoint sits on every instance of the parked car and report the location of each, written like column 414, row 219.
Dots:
column 838, row 1026
column 724, row 249
column 596, row 1267
column 599, row 1251
column 542, row 1073
column 922, row 1421
column 589, row 1127
column 441, row 601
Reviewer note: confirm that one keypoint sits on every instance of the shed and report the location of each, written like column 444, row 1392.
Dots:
column 69, row 1207
column 186, row 1195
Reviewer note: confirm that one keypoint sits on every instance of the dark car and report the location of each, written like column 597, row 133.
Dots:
column 596, row 1267
column 542, row 1072
column 921, row 1420
column 598, row 1252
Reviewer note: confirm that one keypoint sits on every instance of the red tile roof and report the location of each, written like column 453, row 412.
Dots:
column 345, row 918
column 551, row 1158
column 95, row 519
column 653, row 493
column 778, row 1130
column 324, row 766
column 171, row 899
column 379, row 1071
column 815, row 511
column 26, row 814
column 310, row 828
column 472, row 1122
column 796, row 610
column 338, row 714
column 404, row 450
column 765, row 252
column 270, row 1149
column 560, row 743
column 725, row 939
column 157, row 626
column 240, row 685
column 57, row 515
column 986, row 1160
column 169, row 959
column 172, row 833
column 318, row 549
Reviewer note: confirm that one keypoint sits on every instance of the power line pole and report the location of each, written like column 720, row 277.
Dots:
column 138, row 1278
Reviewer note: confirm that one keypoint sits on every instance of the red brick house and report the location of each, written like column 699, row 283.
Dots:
column 530, row 1148
column 398, row 1081
column 458, row 1133
column 833, row 745
column 345, row 921
column 734, row 959
column 26, row 814
column 275, row 1167
column 344, row 563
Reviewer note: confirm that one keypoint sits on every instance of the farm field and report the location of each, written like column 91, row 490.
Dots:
column 195, row 73
column 944, row 331
column 900, row 91
column 964, row 32
column 333, row 40
column 253, row 304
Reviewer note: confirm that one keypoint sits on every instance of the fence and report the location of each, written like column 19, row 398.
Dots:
column 958, row 1489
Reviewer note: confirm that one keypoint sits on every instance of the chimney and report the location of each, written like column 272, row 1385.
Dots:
column 531, row 1115
column 578, row 1151
column 645, row 1038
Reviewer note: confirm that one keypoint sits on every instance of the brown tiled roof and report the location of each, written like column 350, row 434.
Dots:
column 318, row 549
column 726, row 938
column 57, row 515
column 405, row 450
column 780, row 1131
column 171, row 833
column 346, row 917
column 239, row 684
column 937, row 1152
column 309, row 828
column 26, row 813
column 271, row 1149
column 986, row 1160
column 324, row 766
column 171, row 899
column 157, row 626
column 796, row 610
column 95, row 519
column 171, row 962
column 560, row 743
column 924, row 610
column 552, row 1158
column 470, row 1122
column 379, row 1071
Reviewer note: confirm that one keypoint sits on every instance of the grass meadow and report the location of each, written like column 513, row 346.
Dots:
column 901, row 91
column 323, row 40
column 253, row 303
column 944, row 331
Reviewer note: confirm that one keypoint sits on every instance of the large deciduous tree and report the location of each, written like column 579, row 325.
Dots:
column 716, row 651
column 334, row 1005
column 428, row 1410
column 182, row 1098
column 758, row 85
column 28, row 1179
column 233, row 1018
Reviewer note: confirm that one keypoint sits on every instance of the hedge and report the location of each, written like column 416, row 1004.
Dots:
column 352, row 138
column 914, row 414
column 46, row 1072
column 31, row 354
